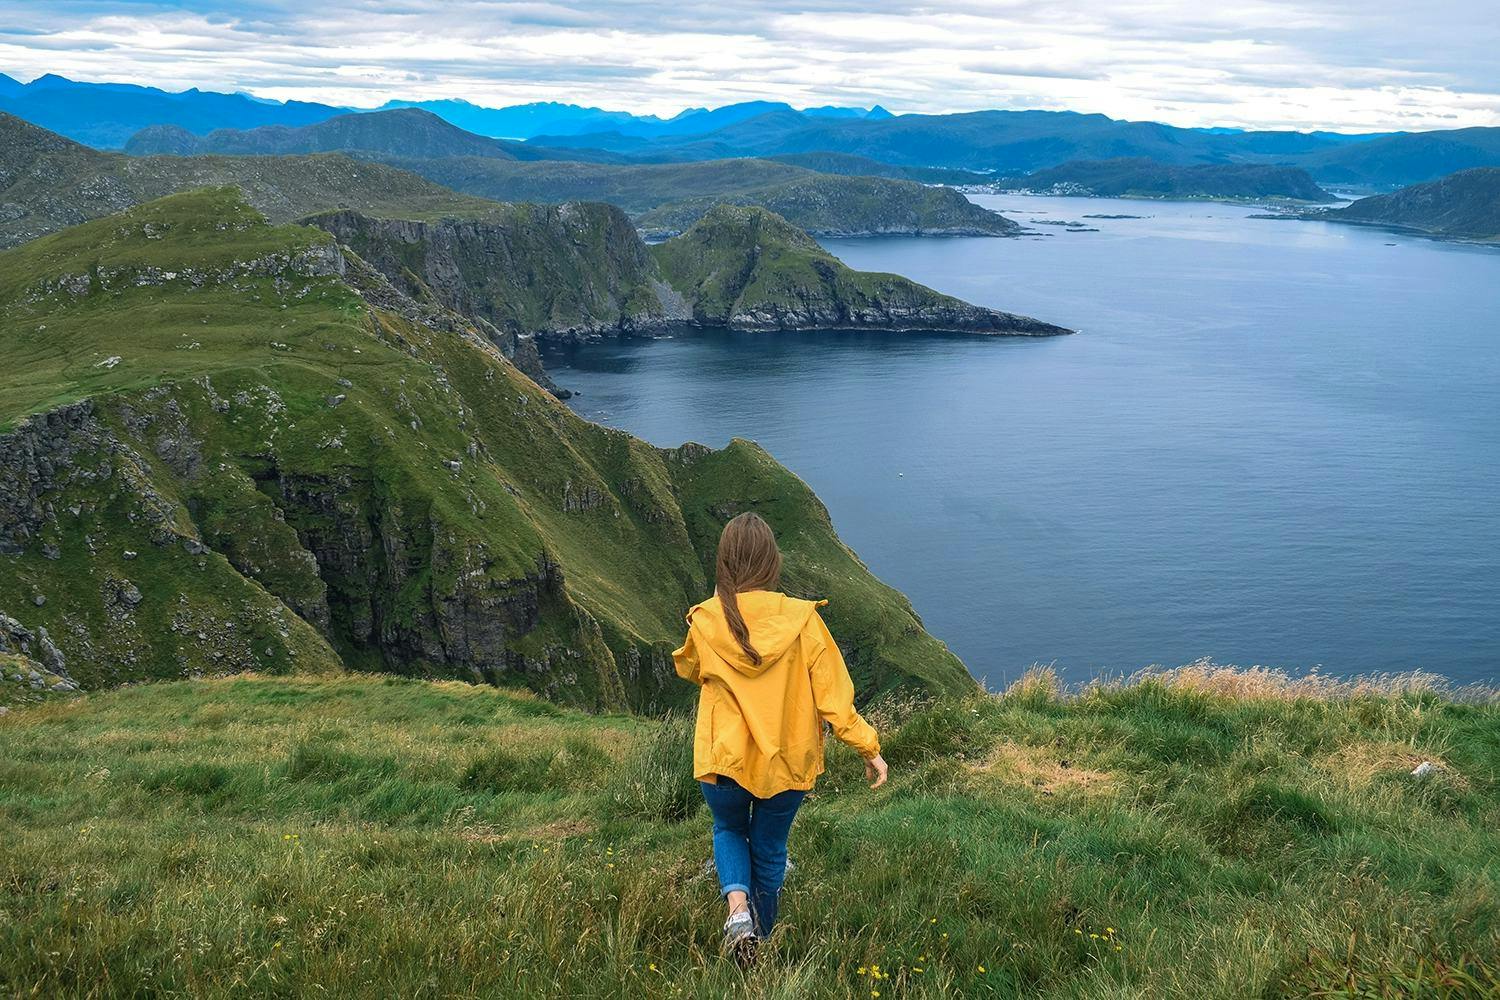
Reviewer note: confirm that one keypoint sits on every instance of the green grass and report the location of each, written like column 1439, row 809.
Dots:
column 360, row 836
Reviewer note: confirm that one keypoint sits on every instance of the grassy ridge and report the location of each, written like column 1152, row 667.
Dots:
column 1189, row 836
column 48, row 182
column 668, row 197
column 293, row 481
column 673, row 195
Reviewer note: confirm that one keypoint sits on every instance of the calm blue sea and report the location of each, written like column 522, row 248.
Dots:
column 1271, row 442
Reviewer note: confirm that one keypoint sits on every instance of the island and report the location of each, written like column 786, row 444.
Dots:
column 1142, row 178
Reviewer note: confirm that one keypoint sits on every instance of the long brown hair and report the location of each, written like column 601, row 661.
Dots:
column 748, row 560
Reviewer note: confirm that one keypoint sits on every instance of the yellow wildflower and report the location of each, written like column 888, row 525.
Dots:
column 981, row 968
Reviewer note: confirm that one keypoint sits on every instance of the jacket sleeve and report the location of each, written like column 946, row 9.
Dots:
column 833, row 693
column 685, row 659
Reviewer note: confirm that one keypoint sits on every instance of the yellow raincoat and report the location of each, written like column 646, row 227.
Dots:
column 763, row 725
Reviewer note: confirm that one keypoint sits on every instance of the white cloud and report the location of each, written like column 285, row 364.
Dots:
column 1377, row 64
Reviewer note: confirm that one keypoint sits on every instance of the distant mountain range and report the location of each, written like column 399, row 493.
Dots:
column 407, row 132
column 105, row 115
column 525, row 121
column 1407, row 158
column 995, row 141
column 832, row 139
column 1021, row 142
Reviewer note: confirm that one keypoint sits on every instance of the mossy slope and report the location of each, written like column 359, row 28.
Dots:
column 221, row 457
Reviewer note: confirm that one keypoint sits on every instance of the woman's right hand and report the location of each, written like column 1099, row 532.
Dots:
column 876, row 771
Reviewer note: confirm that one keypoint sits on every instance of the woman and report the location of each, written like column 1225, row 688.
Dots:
column 770, row 675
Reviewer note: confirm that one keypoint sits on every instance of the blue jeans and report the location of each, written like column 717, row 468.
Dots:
column 750, row 843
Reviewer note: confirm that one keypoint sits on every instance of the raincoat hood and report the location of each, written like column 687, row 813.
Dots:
column 775, row 622
column 761, row 724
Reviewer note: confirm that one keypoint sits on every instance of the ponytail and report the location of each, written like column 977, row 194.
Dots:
column 748, row 560
column 731, row 605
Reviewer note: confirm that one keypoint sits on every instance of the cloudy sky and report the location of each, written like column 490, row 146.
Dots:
column 1351, row 66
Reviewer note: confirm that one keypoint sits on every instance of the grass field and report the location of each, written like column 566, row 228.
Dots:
column 1201, row 833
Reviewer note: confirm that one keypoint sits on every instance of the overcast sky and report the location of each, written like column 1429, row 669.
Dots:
column 1351, row 66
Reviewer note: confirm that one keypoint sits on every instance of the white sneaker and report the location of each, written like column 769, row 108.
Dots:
column 739, row 937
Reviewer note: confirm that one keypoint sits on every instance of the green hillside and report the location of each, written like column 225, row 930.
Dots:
column 750, row 269
column 230, row 446
column 666, row 198
column 849, row 165
column 1139, row 178
column 48, row 182
column 400, row 132
column 1203, row 834
column 1465, row 205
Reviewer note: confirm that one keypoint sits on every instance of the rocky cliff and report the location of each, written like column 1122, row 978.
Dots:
column 245, row 449
column 567, row 271
column 749, row 269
